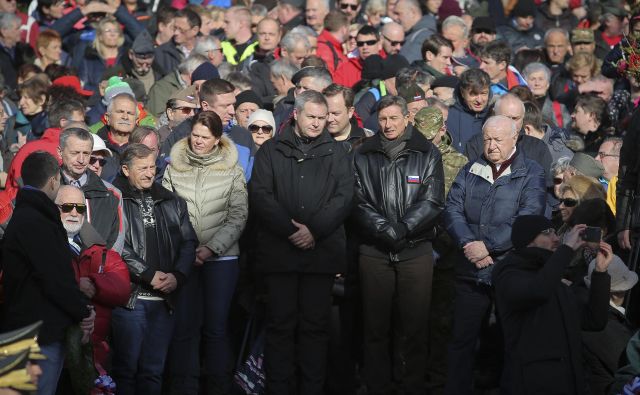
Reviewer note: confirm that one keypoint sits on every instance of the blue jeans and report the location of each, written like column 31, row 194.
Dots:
column 51, row 368
column 140, row 339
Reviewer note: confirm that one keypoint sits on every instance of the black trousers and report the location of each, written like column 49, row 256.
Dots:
column 395, row 300
column 298, row 311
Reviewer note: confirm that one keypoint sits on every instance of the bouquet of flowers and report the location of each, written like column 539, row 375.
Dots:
column 629, row 62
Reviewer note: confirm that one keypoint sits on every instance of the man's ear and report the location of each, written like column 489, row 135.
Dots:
column 125, row 170
column 295, row 114
column 503, row 65
column 528, row 130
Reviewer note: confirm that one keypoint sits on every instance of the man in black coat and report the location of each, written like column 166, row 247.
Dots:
column 399, row 196
column 300, row 194
column 13, row 53
column 540, row 315
column 39, row 283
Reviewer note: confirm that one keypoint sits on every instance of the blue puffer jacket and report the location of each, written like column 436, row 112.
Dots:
column 463, row 123
column 478, row 209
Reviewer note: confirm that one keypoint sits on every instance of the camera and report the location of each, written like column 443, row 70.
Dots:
column 592, row 234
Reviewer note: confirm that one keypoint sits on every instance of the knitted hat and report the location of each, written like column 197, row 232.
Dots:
column 262, row 115
column 392, row 64
column 116, row 87
column 248, row 97
column 204, row 72
column 429, row 121
column 411, row 93
column 524, row 8
column 372, row 67
column 526, row 228
column 622, row 279
column 483, row 23
column 586, row 165
column 446, row 81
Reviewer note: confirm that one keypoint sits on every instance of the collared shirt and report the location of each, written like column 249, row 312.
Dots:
column 80, row 182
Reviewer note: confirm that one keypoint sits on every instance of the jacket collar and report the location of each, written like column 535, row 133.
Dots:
column 225, row 158
column 482, row 168
column 286, row 144
column 40, row 201
column 417, row 142
column 532, row 258
column 157, row 191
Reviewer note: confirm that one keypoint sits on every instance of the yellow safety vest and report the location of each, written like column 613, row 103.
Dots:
column 230, row 52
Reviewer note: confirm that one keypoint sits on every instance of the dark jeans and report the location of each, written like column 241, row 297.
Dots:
column 401, row 290
column 140, row 340
column 472, row 305
column 298, row 306
column 51, row 367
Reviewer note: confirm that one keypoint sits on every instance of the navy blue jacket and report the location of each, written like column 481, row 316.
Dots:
column 464, row 123
column 479, row 209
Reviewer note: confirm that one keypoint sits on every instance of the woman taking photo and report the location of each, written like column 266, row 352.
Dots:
column 204, row 171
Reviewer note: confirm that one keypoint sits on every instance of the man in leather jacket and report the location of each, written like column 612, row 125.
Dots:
column 399, row 196
column 159, row 251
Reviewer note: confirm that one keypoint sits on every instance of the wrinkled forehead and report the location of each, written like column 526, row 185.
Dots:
column 69, row 194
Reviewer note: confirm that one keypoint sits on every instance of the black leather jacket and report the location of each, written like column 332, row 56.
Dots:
column 398, row 200
column 177, row 240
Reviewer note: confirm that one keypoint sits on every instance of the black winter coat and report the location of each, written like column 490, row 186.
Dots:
column 542, row 320
column 168, row 57
column 176, row 238
column 39, row 283
column 314, row 189
column 628, row 187
column 9, row 65
column 408, row 189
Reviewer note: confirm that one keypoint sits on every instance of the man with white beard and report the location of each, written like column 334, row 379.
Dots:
column 102, row 275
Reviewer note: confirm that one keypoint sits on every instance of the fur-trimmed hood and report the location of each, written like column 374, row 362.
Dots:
column 223, row 157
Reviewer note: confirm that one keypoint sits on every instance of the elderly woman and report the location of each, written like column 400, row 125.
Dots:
column 204, row 171
column 106, row 51
column 538, row 77
column 262, row 126
column 31, row 121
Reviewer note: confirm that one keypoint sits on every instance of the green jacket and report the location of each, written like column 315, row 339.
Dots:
column 161, row 91
column 214, row 188
column 452, row 161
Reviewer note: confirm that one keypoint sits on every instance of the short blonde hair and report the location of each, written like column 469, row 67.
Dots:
column 581, row 60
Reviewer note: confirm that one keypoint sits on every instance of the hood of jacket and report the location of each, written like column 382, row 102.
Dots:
column 223, row 157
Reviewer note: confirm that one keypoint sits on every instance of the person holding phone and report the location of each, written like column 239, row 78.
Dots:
column 540, row 315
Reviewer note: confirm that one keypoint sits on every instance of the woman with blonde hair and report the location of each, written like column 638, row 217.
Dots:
column 106, row 51
column 582, row 67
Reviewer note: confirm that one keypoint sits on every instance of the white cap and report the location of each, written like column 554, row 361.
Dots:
column 99, row 145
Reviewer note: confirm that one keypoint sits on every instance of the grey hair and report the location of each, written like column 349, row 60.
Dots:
column 537, row 67
column 375, row 5
column 135, row 151
column 549, row 32
column 78, row 133
column 414, row 4
column 309, row 97
column 499, row 118
column 70, row 188
column 283, row 68
column 454, row 20
column 507, row 97
column 125, row 95
column 291, row 40
column 189, row 65
column 239, row 80
column 617, row 144
column 206, row 44
column 305, row 31
column 259, row 10
column 7, row 20
column 391, row 100
column 326, row 3
column 561, row 165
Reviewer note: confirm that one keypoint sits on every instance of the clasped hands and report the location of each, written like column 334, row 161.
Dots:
column 477, row 253
column 302, row 238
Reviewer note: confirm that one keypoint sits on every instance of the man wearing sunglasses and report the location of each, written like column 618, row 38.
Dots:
column 350, row 72
column 483, row 31
column 392, row 38
column 351, row 8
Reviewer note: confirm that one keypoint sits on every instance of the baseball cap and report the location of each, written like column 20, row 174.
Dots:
column 429, row 121
column 579, row 36
column 187, row 94
column 72, row 81
column 99, row 145
column 411, row 93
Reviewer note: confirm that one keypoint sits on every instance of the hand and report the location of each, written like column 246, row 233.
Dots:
column 604, row 257
column 573, row 238
column 87, row 325
column 87, row 287
column 96, row 7
column 202, row 254
column 114, row 3
column 486, row 261
column 169, row 284
column 624, row 240
column 303, row 238
column 158, row 278
column 475, row 251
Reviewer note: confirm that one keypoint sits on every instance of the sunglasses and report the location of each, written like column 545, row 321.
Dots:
column 367, row 43
column 352, row 6
column 393, row 43
column 265, row 129
column 485, row 31
column 557, row 181
column 66, row 208
column 101, row 161
column 184, row 110
column 569, row 202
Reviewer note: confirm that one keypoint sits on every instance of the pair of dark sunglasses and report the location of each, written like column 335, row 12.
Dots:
column 569, row 202
column 265, row 129
column 368, row 43
column 485, row 31
column 352, row 6
column 394, row 43
column 101, row 161
column 184, row 110
column 66, row 208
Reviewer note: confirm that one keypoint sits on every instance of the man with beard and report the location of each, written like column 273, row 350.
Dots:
column 483, row 31
column 140, row 62
column 392, row 38
column 104, row 201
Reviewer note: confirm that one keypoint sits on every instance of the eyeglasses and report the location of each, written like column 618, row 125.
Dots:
column 558, row 181
column 548, row 232
column 368, row 43
column 185, row 110
column 66, row 208
column 256, row 129
column 604, row 155
column 393, row 43
column 94, row 159
column 569, row 202
column 352, row 6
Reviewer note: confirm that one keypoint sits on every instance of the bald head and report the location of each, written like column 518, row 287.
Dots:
column 392, row 37
column 71, row 199
column 500, row 135
column 510, row 106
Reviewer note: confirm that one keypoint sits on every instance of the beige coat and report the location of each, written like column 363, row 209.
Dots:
column 215, row 190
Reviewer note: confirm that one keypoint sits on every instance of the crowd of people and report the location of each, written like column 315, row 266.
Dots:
column 317, row 197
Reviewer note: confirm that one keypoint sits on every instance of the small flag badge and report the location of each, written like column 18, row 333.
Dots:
column 413, row 179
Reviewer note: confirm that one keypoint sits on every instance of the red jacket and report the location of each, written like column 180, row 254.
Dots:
column 110, row 276
column 350, row 72
column 49, row 142
column 328, row 49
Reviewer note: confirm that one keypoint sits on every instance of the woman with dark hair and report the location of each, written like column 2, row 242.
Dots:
column 204, row 171
column 31, row 121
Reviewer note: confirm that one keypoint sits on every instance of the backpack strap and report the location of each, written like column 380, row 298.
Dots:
column 557, row 111
column 336, row 58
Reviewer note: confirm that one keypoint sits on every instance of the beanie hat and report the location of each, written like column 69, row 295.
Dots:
column 372, row 67
column 262, row 115
column 205, row 71
column 524, row 8
column 445, row 81
column 116, row 87
column 392, row 64
column 248, row 97
column 526, row 228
